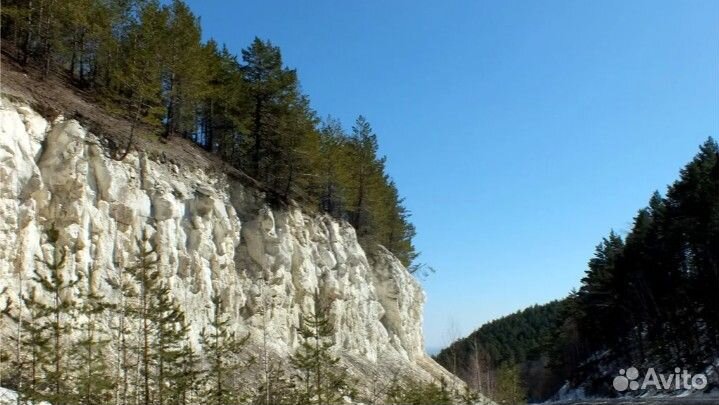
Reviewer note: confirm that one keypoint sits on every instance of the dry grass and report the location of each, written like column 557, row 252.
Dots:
column 55, row 95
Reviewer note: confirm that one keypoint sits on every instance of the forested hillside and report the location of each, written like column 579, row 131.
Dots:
column 500, row 356
column 648, row 299
column 146, row 61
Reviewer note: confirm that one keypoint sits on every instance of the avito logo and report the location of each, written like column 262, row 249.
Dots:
column 680, row 379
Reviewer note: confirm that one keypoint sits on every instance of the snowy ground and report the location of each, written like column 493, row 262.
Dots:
column 9, row 397
column 640, row 401
column 577, row 395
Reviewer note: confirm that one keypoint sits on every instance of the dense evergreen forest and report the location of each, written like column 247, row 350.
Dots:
column 649, row 298
column 146, row 61
column 503, row 356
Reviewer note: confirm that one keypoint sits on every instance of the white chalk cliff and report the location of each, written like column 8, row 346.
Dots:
column 212, row 235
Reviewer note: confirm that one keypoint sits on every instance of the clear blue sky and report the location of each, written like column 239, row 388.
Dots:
column 520, row 132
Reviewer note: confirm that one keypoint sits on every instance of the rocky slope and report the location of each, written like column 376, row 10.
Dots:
column 212, row 235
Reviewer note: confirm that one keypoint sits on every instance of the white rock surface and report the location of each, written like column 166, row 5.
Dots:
column 212, row 235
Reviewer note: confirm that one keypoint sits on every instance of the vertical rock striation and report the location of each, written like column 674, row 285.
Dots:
column 213, row 236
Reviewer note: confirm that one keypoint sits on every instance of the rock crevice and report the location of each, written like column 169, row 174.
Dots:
column 213, row 236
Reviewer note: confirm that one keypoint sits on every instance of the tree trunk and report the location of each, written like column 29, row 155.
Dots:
column 47, row 42
column 170, row 124
column 257, row 117
column 28, row 35
column 81, row 53
column 145, row 343
column 210, row 128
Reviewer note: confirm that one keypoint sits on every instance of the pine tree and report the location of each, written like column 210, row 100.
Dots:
column 56, row 317
column 40, row 30
column 93, row 379
column 33, row 353
column 116, row 49
column 509, row 385
column 278, row 387
column 146, row 277
column 77, row 36
column 138, row 75
column 691, row 232
column 125, row 311
column 43, row 347
column 597, row 290
column 169, row 332
column 222, row 348
column 362, row 178
column 163, row 353
column 322, row 382
column 187, row 377
column 223, row 105
column 392, row 226
column 413, row 392
column 296, row 151
column 184, row 77
column 270, row 87
column 331, row 195
column 17, row 22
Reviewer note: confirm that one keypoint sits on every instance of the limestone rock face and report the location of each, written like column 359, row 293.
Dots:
column 212, row 235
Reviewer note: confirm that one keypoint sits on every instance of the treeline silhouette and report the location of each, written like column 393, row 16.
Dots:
column 147, row 62
column 648, row 299
column 507, row 358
